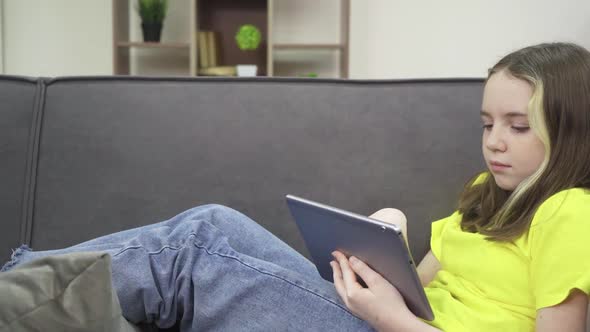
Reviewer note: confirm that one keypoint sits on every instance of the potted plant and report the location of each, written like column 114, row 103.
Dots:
column 248, row 38
column 152, row 13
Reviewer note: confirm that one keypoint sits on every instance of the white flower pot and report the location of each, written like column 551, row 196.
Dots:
column 247, row 70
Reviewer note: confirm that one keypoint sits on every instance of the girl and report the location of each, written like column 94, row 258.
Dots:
column 513, row 257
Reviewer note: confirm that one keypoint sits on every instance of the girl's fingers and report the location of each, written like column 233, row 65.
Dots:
column 369, row 276
column 338, row 282
column 348, row 275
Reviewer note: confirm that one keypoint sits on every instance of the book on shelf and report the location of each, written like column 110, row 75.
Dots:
column 218, row 71
column 212, row 48
column 208, row 47
column 202, row 49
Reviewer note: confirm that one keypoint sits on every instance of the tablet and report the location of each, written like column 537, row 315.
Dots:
column 379, row 244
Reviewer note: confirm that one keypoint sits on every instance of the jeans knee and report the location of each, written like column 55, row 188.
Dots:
column 216, row 212
column 219, row 208
column 207, row 208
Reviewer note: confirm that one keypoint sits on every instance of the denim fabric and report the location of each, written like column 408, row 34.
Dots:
column 212, row 268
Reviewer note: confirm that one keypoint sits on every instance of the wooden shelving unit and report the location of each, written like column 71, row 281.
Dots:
column 307, row 46
column 223, row 17
column 154, row 45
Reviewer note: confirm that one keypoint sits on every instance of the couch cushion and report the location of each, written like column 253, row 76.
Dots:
column 71, row 292
column 122, row 152
column 17, row 100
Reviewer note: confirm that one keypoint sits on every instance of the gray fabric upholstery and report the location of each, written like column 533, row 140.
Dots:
column 17, row 105
column 116, row 153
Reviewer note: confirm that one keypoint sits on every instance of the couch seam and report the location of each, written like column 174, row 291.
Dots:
column 258, row 79
column 32, row 165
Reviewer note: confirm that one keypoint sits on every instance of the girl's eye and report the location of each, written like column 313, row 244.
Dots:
column 487, row 126
column 520, row 129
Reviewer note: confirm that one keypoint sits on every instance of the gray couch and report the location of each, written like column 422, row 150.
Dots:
column 86, row 156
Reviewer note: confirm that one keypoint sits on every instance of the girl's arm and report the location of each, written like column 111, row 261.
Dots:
column 428, row 268
column 429, row 265
column 569, row 315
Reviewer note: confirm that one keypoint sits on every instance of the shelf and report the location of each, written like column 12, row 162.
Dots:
column 308, row 47
column 154, row 45
column 225, row 17
column 327, row 55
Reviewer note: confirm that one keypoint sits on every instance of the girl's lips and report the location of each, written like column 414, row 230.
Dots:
column 496, row 166
column 496, row 163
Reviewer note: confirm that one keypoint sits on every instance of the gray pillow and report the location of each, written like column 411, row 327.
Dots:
column 71, row 292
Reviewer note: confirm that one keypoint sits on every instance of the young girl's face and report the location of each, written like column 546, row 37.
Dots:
column 510, row 148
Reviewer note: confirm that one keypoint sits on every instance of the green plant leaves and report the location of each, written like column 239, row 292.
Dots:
column 248, row 37
column 152, row 11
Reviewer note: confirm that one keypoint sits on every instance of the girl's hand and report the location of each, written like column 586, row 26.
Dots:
column 381, row 304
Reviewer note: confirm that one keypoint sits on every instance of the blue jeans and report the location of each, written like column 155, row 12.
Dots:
column 213, row 268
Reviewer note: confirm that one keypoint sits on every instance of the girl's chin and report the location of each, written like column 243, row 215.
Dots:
column 504, row 182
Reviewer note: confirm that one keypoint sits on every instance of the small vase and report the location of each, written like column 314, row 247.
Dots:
column 151, row 31
column 247, row 70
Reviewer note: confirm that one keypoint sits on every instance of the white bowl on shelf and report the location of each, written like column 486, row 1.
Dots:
column 247, row 70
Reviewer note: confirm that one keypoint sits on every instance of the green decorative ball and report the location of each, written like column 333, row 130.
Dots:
column 248, row 37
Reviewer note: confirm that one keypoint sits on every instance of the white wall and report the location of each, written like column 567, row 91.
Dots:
column 1, row 39
column 57, row 37
column 389, row 38
column 455, row 38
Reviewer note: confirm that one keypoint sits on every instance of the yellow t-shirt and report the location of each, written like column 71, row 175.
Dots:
column 490, row 286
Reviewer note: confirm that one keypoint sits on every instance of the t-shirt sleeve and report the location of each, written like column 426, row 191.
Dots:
column 438, row 227
column 437, row 231
column 560, row 249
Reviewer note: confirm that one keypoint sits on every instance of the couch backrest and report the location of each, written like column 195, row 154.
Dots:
column 18, row 104
column 116, row 153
